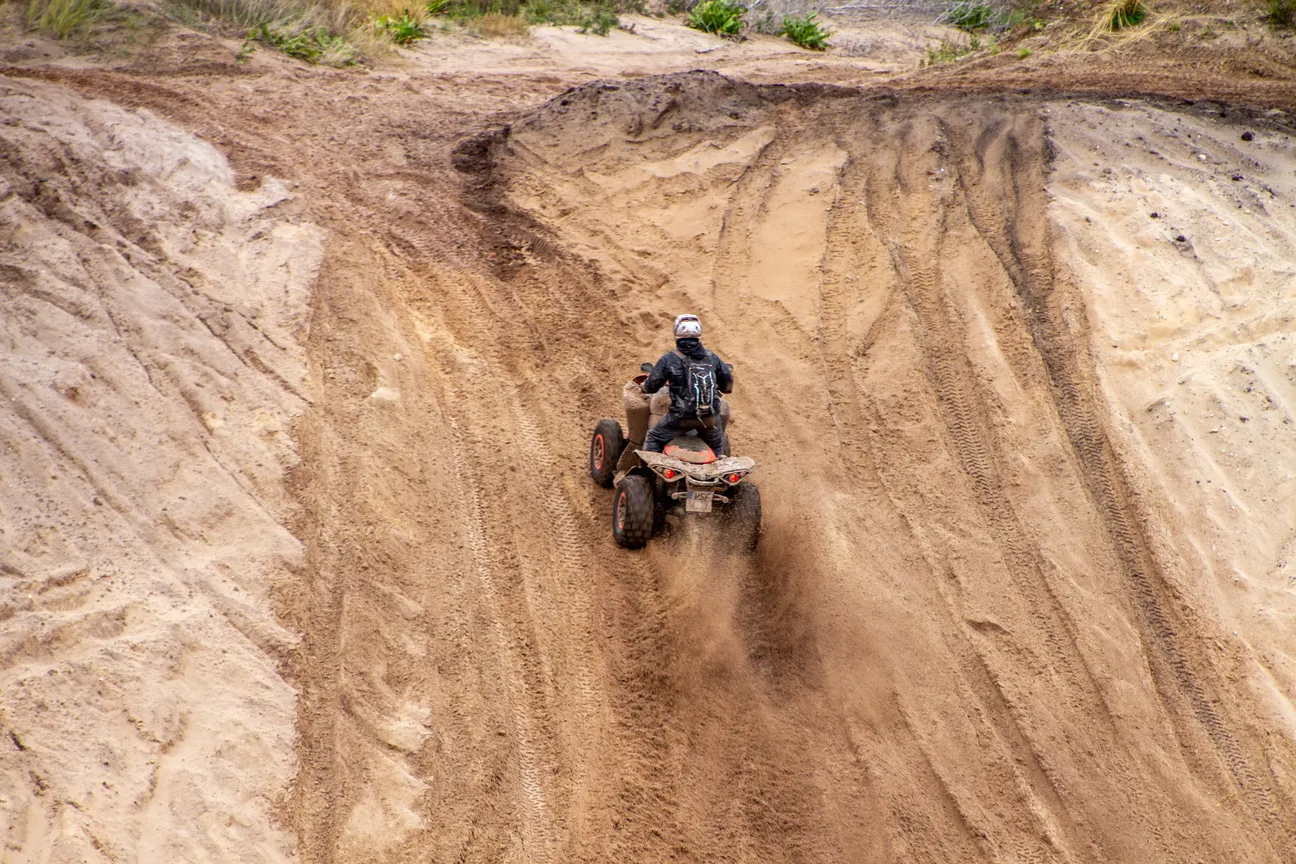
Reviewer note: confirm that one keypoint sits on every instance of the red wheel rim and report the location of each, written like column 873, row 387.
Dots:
column 598, row 452
column 620, row 512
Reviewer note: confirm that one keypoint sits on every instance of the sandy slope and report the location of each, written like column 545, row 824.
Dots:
column 985, row 624
column 891, row 265
column 1194, row 316
column 148, row 374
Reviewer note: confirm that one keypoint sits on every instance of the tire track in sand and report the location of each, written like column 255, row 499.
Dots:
column 903, row 207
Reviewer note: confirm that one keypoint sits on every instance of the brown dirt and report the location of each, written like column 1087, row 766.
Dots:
column 978, row 627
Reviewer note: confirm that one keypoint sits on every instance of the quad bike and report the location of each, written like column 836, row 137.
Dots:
column 688, row 480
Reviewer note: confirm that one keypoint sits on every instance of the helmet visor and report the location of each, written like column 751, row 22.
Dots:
column 688, row 327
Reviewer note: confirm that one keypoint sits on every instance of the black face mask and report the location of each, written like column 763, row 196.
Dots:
column 691, row 346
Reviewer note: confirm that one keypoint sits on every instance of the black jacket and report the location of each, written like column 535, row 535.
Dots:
column 670, row 369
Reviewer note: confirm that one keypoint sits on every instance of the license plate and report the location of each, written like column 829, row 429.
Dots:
column 698, row 502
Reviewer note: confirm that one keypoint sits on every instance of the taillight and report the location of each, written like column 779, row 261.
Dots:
column 670, row 473
column 732, row 478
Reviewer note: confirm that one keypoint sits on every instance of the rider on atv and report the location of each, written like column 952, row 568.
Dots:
column 697, row 377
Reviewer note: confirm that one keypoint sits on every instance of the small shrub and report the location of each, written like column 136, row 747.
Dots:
column 805, row 31
column 1281, row 14
column 945, row 52
column 721, row 17
column 599, row 22
column 402, row 30
column 311, row 45
column 598, row 19
column 436, row 7
column 1125, row 14
column 62, row 18
column 1023, row 53
column 969, row 15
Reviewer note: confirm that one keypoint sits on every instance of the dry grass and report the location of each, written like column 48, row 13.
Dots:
column 1126, row 14
column 493, row 25
column 342, row 17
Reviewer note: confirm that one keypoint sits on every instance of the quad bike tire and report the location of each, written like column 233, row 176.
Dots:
column 606, row 445
column 743, row 517
column 632, row 512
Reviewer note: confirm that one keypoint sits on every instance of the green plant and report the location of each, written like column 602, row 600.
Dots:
column 299, row 45
column 1282, row 13
column 1125, row 14
column 969, row 15
column 1023, row 53
column 62, row 18
column 805, row 31
column 403, row 30
column 721, row 17
column 436, row 7
column 334, row 50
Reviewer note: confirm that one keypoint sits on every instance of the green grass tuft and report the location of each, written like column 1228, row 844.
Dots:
column 721, row 17
column 63, row 18
column 805, row 31
column 970, row 15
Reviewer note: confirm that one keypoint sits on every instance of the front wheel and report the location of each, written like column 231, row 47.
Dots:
column 743, row 517
column 632, row 512
column 605, row 449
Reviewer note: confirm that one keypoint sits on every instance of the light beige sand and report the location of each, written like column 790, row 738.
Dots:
column 1196, row 339
column 149, row 314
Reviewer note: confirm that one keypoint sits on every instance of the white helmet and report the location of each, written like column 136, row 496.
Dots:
column 688, row 327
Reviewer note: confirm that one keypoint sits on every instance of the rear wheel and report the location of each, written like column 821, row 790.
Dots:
column 632, row 512
column 605, row 449
column 743, row 517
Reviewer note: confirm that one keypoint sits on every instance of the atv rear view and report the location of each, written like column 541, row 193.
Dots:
column 686, row 481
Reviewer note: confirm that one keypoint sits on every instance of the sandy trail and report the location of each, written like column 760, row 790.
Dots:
column 983, row 624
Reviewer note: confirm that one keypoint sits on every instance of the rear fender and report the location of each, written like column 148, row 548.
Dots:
column 635, row 469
